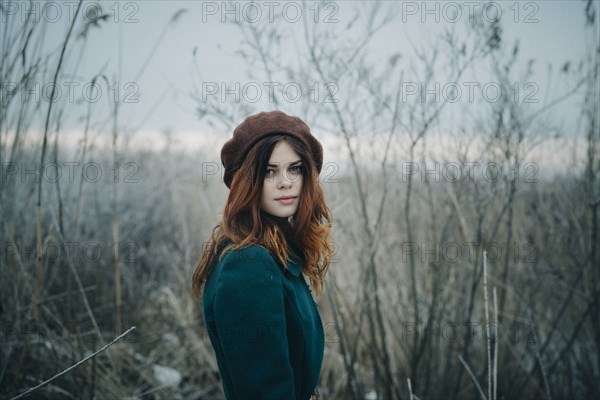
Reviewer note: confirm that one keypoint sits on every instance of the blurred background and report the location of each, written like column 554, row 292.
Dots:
column 461, row 164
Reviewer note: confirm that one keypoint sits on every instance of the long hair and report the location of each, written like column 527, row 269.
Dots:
column 243, row 226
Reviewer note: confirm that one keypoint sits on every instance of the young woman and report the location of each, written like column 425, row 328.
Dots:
column 261, row 318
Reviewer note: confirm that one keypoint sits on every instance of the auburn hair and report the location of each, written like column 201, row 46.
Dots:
column 242, row 223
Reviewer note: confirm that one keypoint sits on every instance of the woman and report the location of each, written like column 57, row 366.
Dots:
column 262, row 321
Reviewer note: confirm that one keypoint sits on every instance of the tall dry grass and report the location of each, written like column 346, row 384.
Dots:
column 400, row 321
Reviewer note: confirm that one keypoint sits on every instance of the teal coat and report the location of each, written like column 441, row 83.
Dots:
column 264, row 326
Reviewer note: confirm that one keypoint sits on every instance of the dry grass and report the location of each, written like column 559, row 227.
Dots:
column 402, row 315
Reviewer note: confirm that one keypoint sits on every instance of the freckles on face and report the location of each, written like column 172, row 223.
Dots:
column 283, row 181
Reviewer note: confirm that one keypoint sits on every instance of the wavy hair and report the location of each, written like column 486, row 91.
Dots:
column 242, row 223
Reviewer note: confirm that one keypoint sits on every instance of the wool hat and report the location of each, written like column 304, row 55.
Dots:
column 257, row 126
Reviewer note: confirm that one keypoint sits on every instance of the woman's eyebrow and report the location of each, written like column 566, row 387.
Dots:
column 276, row 165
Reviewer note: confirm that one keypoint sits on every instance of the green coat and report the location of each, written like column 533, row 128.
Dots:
column 264, row 326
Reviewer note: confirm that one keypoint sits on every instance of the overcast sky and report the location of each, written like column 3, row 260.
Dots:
column 158, row 75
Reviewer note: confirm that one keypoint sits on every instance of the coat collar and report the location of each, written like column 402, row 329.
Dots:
column 294, row 266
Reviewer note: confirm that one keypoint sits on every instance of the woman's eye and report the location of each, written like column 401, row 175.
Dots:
column 296, row 169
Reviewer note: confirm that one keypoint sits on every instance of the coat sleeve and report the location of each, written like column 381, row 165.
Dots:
column 250, row 318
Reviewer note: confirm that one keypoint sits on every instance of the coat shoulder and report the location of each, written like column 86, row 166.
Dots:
column 247, row 255
column 251, row 262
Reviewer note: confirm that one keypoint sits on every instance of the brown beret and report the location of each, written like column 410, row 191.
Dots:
column 258, row 126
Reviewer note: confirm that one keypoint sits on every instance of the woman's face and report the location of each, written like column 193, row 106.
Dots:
column 283, row 179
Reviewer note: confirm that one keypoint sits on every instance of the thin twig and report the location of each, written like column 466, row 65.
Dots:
column 75, row 365
column 462, row 360
column 544, row 377
column 495, row 345
column 409, row 389
column 487, row 324
column 539, row 359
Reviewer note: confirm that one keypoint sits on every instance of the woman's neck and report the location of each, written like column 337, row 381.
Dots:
column 280, row 220
column 284, row 224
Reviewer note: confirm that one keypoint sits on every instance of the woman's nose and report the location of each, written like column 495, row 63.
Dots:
column 284, row 180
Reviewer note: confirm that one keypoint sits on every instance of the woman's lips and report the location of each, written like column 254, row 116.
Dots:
column 286, row 200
